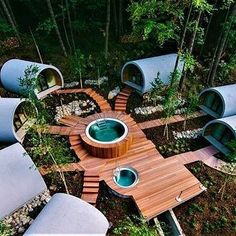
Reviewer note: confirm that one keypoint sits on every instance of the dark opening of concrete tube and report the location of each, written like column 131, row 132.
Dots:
column 16, row 116
column 132, row 73
column 220, row 132
column 219, row 101
column 212, row 103
column 13, row 73
column 23, row 113
column 139, row 74
column 47, row 79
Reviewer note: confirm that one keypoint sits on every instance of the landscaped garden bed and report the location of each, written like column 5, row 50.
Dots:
column 214, row 211
column 172, row 146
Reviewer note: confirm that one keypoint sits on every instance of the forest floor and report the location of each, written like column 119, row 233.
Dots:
column 214, row 211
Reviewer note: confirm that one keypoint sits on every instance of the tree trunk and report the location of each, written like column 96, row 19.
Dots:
column 208, row 27
column 115, row 18
column 107, row 27
column 183, row 36
column 70, row 24
column 221, row 47
column 64, row 27
column 11, row 21
column 190, row 50
column 11, row 12
column 56, row 27
column 120, row 17
column 36, row 46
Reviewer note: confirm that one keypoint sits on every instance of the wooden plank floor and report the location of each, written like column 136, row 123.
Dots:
column 161, row 180
column 159, row 122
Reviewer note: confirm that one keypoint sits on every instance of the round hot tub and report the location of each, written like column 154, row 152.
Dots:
column 106, row 131
column 125, row 177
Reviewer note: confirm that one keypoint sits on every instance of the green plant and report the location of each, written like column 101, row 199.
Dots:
column 192, row 223
column 135, row 227
column 5, row 230
column 78, row 63
column 171, row 100
column 193, row 208
column 157, row 88
column 214, row 209
column 43, row 144
column 232, row 146
column 159, row 20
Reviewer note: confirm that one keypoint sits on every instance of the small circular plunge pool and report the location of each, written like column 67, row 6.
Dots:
column 106, row 131
column 125, row 177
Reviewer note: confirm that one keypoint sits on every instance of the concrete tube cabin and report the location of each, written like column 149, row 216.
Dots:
column 220, row 132
column 14, row 119
column 220, row 101
column 49, row 77
column 139, row 74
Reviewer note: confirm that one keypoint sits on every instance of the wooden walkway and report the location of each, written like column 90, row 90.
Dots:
column 102, row 103
column 171, row 120
column 160, row 180
column 122, row 98
column 206, row 155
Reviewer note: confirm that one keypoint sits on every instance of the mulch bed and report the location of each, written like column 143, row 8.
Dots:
column 214, row 211
column 74, row 181
column 114, row 207
column 156, row 136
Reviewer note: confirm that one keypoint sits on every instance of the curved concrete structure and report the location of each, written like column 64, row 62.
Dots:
column 221, row 131
column 139, row 74
column 20, row 181
column 66, row 214
column 219, row 101
column 10, row 131
column 13, row 70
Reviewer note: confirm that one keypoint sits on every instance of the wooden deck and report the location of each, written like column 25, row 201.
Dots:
column 161, row 181
column 171, row 120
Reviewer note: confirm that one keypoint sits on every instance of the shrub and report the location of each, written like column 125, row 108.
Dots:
column 132, row 228
column 5, row 230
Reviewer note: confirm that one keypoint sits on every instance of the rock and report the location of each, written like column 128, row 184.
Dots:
column 21, row 230
column 113, row 93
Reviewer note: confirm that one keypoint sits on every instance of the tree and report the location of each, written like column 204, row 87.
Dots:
column 230, row 18
column 56, row 27
column 159, row 20
column 43, row 145
column 201, row 6
column 171, row 100
column 107, row 27
column 183, row 35
column 70, row 24
column 64, row 27
column 121, row 28
column 192, row 105
column 115, row 17
column 157, row 88
column 10, row 19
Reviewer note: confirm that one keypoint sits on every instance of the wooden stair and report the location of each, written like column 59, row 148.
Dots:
column 90, row 187
column 77, row 147
column 122, row 98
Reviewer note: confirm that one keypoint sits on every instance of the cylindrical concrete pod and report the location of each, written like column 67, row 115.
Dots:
column 13, row 70
column 139, row 74
column 220, row 132
column 219, row 101
column 13, row 122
